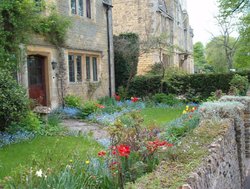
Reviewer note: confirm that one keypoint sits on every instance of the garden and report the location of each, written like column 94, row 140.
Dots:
column 143, row 132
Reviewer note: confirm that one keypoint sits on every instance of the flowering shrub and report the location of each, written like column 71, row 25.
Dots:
column 135, row 150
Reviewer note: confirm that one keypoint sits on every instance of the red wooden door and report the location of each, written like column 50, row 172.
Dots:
column 36, row 74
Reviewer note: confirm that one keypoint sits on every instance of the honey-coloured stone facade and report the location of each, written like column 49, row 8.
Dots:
column 86, row 37
column 154, row 18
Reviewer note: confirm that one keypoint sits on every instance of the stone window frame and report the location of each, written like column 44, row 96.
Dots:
column 92, row 77
column 86, row 12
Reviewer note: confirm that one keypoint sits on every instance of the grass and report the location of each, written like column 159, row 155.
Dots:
column 45, row 152
column 161, row 115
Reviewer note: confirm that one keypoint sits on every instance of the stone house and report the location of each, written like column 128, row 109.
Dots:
column 166, row 20
column 83, row 66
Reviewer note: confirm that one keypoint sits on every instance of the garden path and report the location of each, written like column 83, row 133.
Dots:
column 98, row 131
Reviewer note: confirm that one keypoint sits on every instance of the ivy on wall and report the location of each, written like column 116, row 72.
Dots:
column 19, row 19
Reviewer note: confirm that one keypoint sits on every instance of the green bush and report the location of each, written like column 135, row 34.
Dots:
column 30, row 123
column 240, row 83
column 126, row 52
column 166, row 99
column 195, row 87
column 13, row 100
column 142, row 86
column 88, row 108
column 73, row 101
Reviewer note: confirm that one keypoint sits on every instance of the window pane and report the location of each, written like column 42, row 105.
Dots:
column 80, row 7
column 88, row 68
column 79, row 68
column 88, row 8
column 73, row 6
column 95, row 69
column 71, row 68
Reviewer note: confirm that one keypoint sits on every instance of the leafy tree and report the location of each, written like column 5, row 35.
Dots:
column 216, row 55
column 229, row 7
column 239, row 9
column 199, row 55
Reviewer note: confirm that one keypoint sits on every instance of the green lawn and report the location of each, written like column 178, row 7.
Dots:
column 161, row 115
column 45, row 152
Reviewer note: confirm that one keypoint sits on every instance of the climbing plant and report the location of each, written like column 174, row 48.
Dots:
column 19, row 19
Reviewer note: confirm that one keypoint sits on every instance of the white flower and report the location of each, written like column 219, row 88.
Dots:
column 39, row 173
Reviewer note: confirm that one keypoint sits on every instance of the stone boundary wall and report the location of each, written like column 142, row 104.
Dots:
column 225, row 166
column 220, row 170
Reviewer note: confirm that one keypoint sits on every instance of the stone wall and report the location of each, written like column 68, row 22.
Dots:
column 85, row 37
column 220, row 170
column 225, row 167
column 151, row 19
column 212, row 156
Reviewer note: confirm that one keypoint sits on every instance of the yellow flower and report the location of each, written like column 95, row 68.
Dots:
column 71, row 161
column 184, row 112
column 87, row 162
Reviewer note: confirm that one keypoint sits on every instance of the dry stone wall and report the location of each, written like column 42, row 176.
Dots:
column 220, row 170
column 225, row 166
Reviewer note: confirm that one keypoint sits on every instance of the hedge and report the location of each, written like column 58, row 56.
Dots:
column 145, row 86
column 197, row 84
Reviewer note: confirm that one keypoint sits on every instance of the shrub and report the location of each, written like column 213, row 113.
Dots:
column 88, row 108
column 166, row 99
column 73, row 101
column 241, row 83
column 145, row 86
column 195, row 86
column 30, row 123
column 126, row 52
column 13, row 100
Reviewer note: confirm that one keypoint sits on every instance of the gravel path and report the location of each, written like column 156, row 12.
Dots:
column 98, row 131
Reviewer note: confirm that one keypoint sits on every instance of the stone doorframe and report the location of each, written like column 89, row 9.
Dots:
column 40, row 51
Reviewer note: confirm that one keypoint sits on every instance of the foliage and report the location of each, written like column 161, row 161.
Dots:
column 215, row 96
column 145, row 86
column 54, row 27
column 199, row 56
column 73, row 101
column 88, row 108
column 241, row 83
column 180, row 127
column 141, row 144
column 122, row 92
column 13, row 100
column 166, row 99
column 242, row 55
column 183, row 159
column 126, row 50
column 194, row 86
column 216, row 54
column 18, row 21
column 30, row 123
column 239, row 10
column 229, row 7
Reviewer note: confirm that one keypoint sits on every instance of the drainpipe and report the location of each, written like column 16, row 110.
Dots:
column 108, row 7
